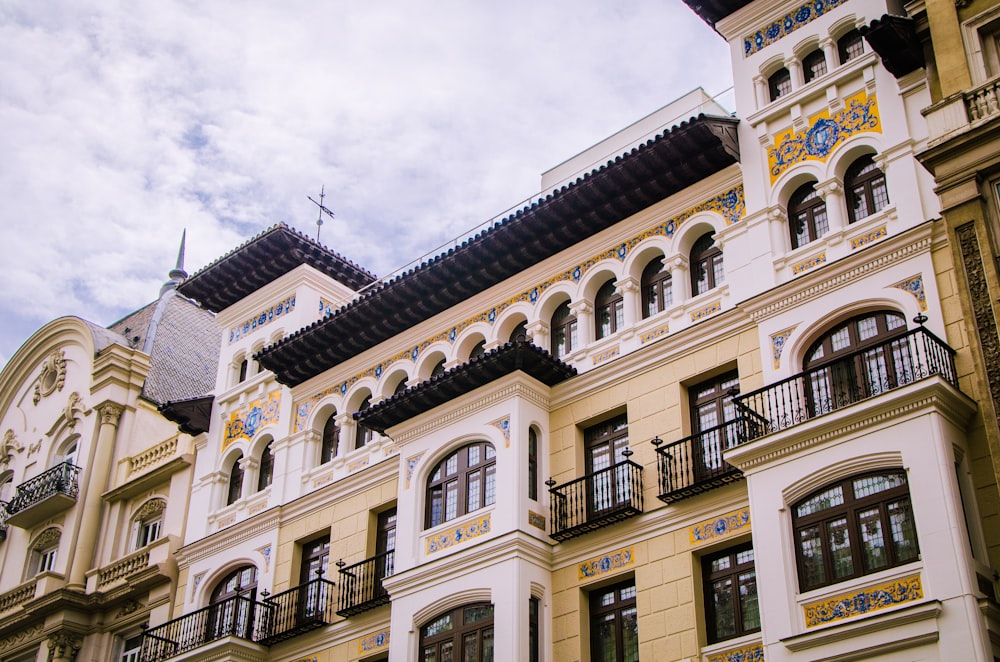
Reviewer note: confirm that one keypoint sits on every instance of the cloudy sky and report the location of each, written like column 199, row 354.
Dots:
column 123, row 122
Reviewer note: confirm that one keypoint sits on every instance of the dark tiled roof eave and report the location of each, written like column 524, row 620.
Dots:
column 461, row 380
column 642, row 177
column 713, row 11
column 895, row 40
column 263, row 259
column 192, row 415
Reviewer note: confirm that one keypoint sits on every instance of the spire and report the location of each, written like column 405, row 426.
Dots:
column 177, row 275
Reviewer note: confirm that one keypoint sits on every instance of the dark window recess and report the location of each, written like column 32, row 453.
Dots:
column 855, row 527
column 520, row 332
column 730, row 581
column 850, row 46
column 807, row 218
column 461, row 483
column 532, row 464
column 315, row 558
column 266, row 473
column 614, row 624
column 779, row 84
column 707, row 271
column 464, row 634
column 235, row 482
column 866, row 190
column 711, row 408
column 478, row 350
column 363, row 435
column 657, row 288
column 331, row 437
column 813, row 65
column 563, row 325
column 606, row 444
column 609, row 311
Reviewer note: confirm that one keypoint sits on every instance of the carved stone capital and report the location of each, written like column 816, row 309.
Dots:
column 581, row 308
column 8, row 446
column 110, row 413
column 63, row 645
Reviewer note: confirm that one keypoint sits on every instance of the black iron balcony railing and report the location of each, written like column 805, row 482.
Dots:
column 361, row 584
column 60, row 479
column 297, row 610
column 870, row 372
column 694, row 464
column 238, row 616
column 3, row 521
column 596, row 500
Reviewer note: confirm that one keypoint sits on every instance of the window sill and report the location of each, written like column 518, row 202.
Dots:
column 835, row 245
column 732, row 648
column 884, row 632
column 457, row 531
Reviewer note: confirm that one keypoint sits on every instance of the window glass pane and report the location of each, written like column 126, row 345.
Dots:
column 435, row 498
column 870, row 485
column 470, row 647
column 446, row 651
column 894, row 322
column 451, row 466
column 904, row 537
column 476, row 614
column 872, row 540
column 451, row 500
column 825, row 499
column 430, row 654
column 867, row 328
column 811, row 548
column 723, row 608
column 630, row 635
column 491, row 486
column 880, row 195
column 723, row 563
column 473, row 456
column 488, row 645
column 840, row 339
column 490, row 452
column 443, row 624
column 472, row 501
column 749, row 609
column 839, row 539
column 720, row 272
column 860, row 202
column 606, row 638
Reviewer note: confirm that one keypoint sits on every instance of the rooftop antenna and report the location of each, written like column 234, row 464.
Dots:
column 322, row 210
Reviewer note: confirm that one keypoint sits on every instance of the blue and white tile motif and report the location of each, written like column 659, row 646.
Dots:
column 458, row 535
column 788, row 24
column 719, row 527
column 261, row 319
column 915, row 286
column 503, row 424
column 906, row 589
column 778, row 341
column 752, row 653
column 604, row 564
column 411, row 464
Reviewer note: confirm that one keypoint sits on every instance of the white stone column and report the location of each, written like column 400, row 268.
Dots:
column 251, row 473
column 794, row 67
column 829, row 47
column 832, row 193
column 760, row 89
column 680, row 279
column 628, row 288
column 347, row 426
column 584, row 312
column 538, row 332
column 777, row 226
column 97, row 480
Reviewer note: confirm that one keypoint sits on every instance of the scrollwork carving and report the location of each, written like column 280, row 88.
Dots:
column 74, row 406
column 47, row 538
column 982, row 306
column 8, row 446
column 52, row 376
column 151, row 508
column 110, row 413
column 64, row 645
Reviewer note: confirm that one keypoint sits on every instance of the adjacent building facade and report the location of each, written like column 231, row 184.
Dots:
column 725, row 392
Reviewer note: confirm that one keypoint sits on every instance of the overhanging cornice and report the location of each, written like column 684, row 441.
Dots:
column 647, row 174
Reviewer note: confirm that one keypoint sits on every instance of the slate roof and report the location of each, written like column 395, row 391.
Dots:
column 263, row 259
column 516, row 355
column 651, row 172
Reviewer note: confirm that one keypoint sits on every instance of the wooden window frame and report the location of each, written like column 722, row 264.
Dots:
column 733, row 572
column 330, row 439
column 440, row 483
column 806, row 208
column 618, row 607
column 657, row 285
column 779, row 84
column 457, row 633
column 563, row 325
column 869, row 182
column 705, row 256
column 609, row 311
column 812, row 63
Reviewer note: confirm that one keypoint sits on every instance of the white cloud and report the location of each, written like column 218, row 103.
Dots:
column 124, row 123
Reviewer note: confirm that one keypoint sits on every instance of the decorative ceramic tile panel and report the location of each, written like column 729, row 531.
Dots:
column 915, row 286
column 503, row 424
column 864, row 601
column 263, row 318
column 707, row 311
column 601, row 565
column 723, row 526
column 265, row 551
column 751, row 653
column 658, row 332
column 228, row 521
column 808, row 263
column 730, row 204
column 197, row 580
column 256, row 508
column 246, row 421
column 869, row 237
column 326, row 307
column 536, row 520
column 606, row 356
column 411, row 464
column 374, row 642
column 778, row 341
column 824, row 133
column 457, row 534
column 787, row 24
column 360, row 464
column 325, row 479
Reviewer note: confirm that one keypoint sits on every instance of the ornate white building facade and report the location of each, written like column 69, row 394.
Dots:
column 712, row 399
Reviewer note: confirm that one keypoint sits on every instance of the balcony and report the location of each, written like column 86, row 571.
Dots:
column 903, row 360
column 298, row 610
column 963, row 111
column 3, row 521
column 45, row 495
column 596, row 500
column 361, row 584
column 694, row 464
column 239, row 617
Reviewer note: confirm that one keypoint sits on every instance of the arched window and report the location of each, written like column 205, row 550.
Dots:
column 66, row 454
column 850, row 46
column 266, row 471
column 706, row 265
column 43, row 552
column 657, row 288
column 807, row 219
column 235, row 482
column 400, row 387
column 478, row 350
column 779, row 83
column 148, row 523
column 814, row 65
column 855, row 527
column 465, row 633
column 438, row 369
column 866, row 191
column 331, row 437
column 532, row 464
column 520, row 331
column 231, row 605
column 244, row 367
column 563, row 331
column 363, row 435
column 461, row 483
column 856, row 359
column 609, row 315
